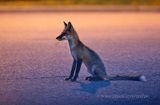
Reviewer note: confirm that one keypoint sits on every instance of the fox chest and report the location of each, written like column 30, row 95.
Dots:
column 75, row 54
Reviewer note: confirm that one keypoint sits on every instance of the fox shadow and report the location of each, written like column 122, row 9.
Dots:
column 89, row 86
column 92, row 86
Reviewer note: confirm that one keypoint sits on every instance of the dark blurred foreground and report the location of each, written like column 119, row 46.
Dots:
column 79, row 6
column 80, row 2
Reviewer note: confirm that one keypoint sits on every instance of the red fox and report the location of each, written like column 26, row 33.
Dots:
column 92, row 61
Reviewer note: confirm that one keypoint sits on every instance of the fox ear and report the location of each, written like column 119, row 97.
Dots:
column 70, row 27
column 65, row 24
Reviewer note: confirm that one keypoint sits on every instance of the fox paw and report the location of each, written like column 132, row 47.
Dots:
column 72, row 80
column 89, row 78
column 67, row 79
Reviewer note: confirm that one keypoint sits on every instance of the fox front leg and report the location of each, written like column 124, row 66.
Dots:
column 78, row 67
column 72, row 70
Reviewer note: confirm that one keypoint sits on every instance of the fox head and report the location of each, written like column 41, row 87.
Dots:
column 68, row 33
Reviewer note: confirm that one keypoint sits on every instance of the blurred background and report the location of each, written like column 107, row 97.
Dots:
column 79, row 2
column 84, row 4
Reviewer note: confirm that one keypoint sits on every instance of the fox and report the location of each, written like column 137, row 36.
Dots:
column 83, row 54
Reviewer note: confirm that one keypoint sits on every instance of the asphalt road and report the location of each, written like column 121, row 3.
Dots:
column 33, row 64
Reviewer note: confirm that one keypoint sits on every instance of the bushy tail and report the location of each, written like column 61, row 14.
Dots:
column 132, row 78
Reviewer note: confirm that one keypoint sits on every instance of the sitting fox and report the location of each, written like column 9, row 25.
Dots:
column 92, row 61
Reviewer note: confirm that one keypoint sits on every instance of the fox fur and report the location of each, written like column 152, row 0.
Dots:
column 83, row 54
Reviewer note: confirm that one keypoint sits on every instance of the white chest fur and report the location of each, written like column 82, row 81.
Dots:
column 74, row 54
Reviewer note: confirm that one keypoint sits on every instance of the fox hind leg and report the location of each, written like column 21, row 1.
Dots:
column 95, row 75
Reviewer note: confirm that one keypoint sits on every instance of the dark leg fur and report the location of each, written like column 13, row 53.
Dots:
column 72, row 70
column 78, row 67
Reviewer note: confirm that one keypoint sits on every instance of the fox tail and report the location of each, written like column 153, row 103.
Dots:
column 132, row 78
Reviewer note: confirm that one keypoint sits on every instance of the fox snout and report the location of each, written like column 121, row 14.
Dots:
column 61, row 37
column 58, row 38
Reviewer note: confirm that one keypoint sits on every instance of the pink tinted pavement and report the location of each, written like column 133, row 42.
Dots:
column 33, row 64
